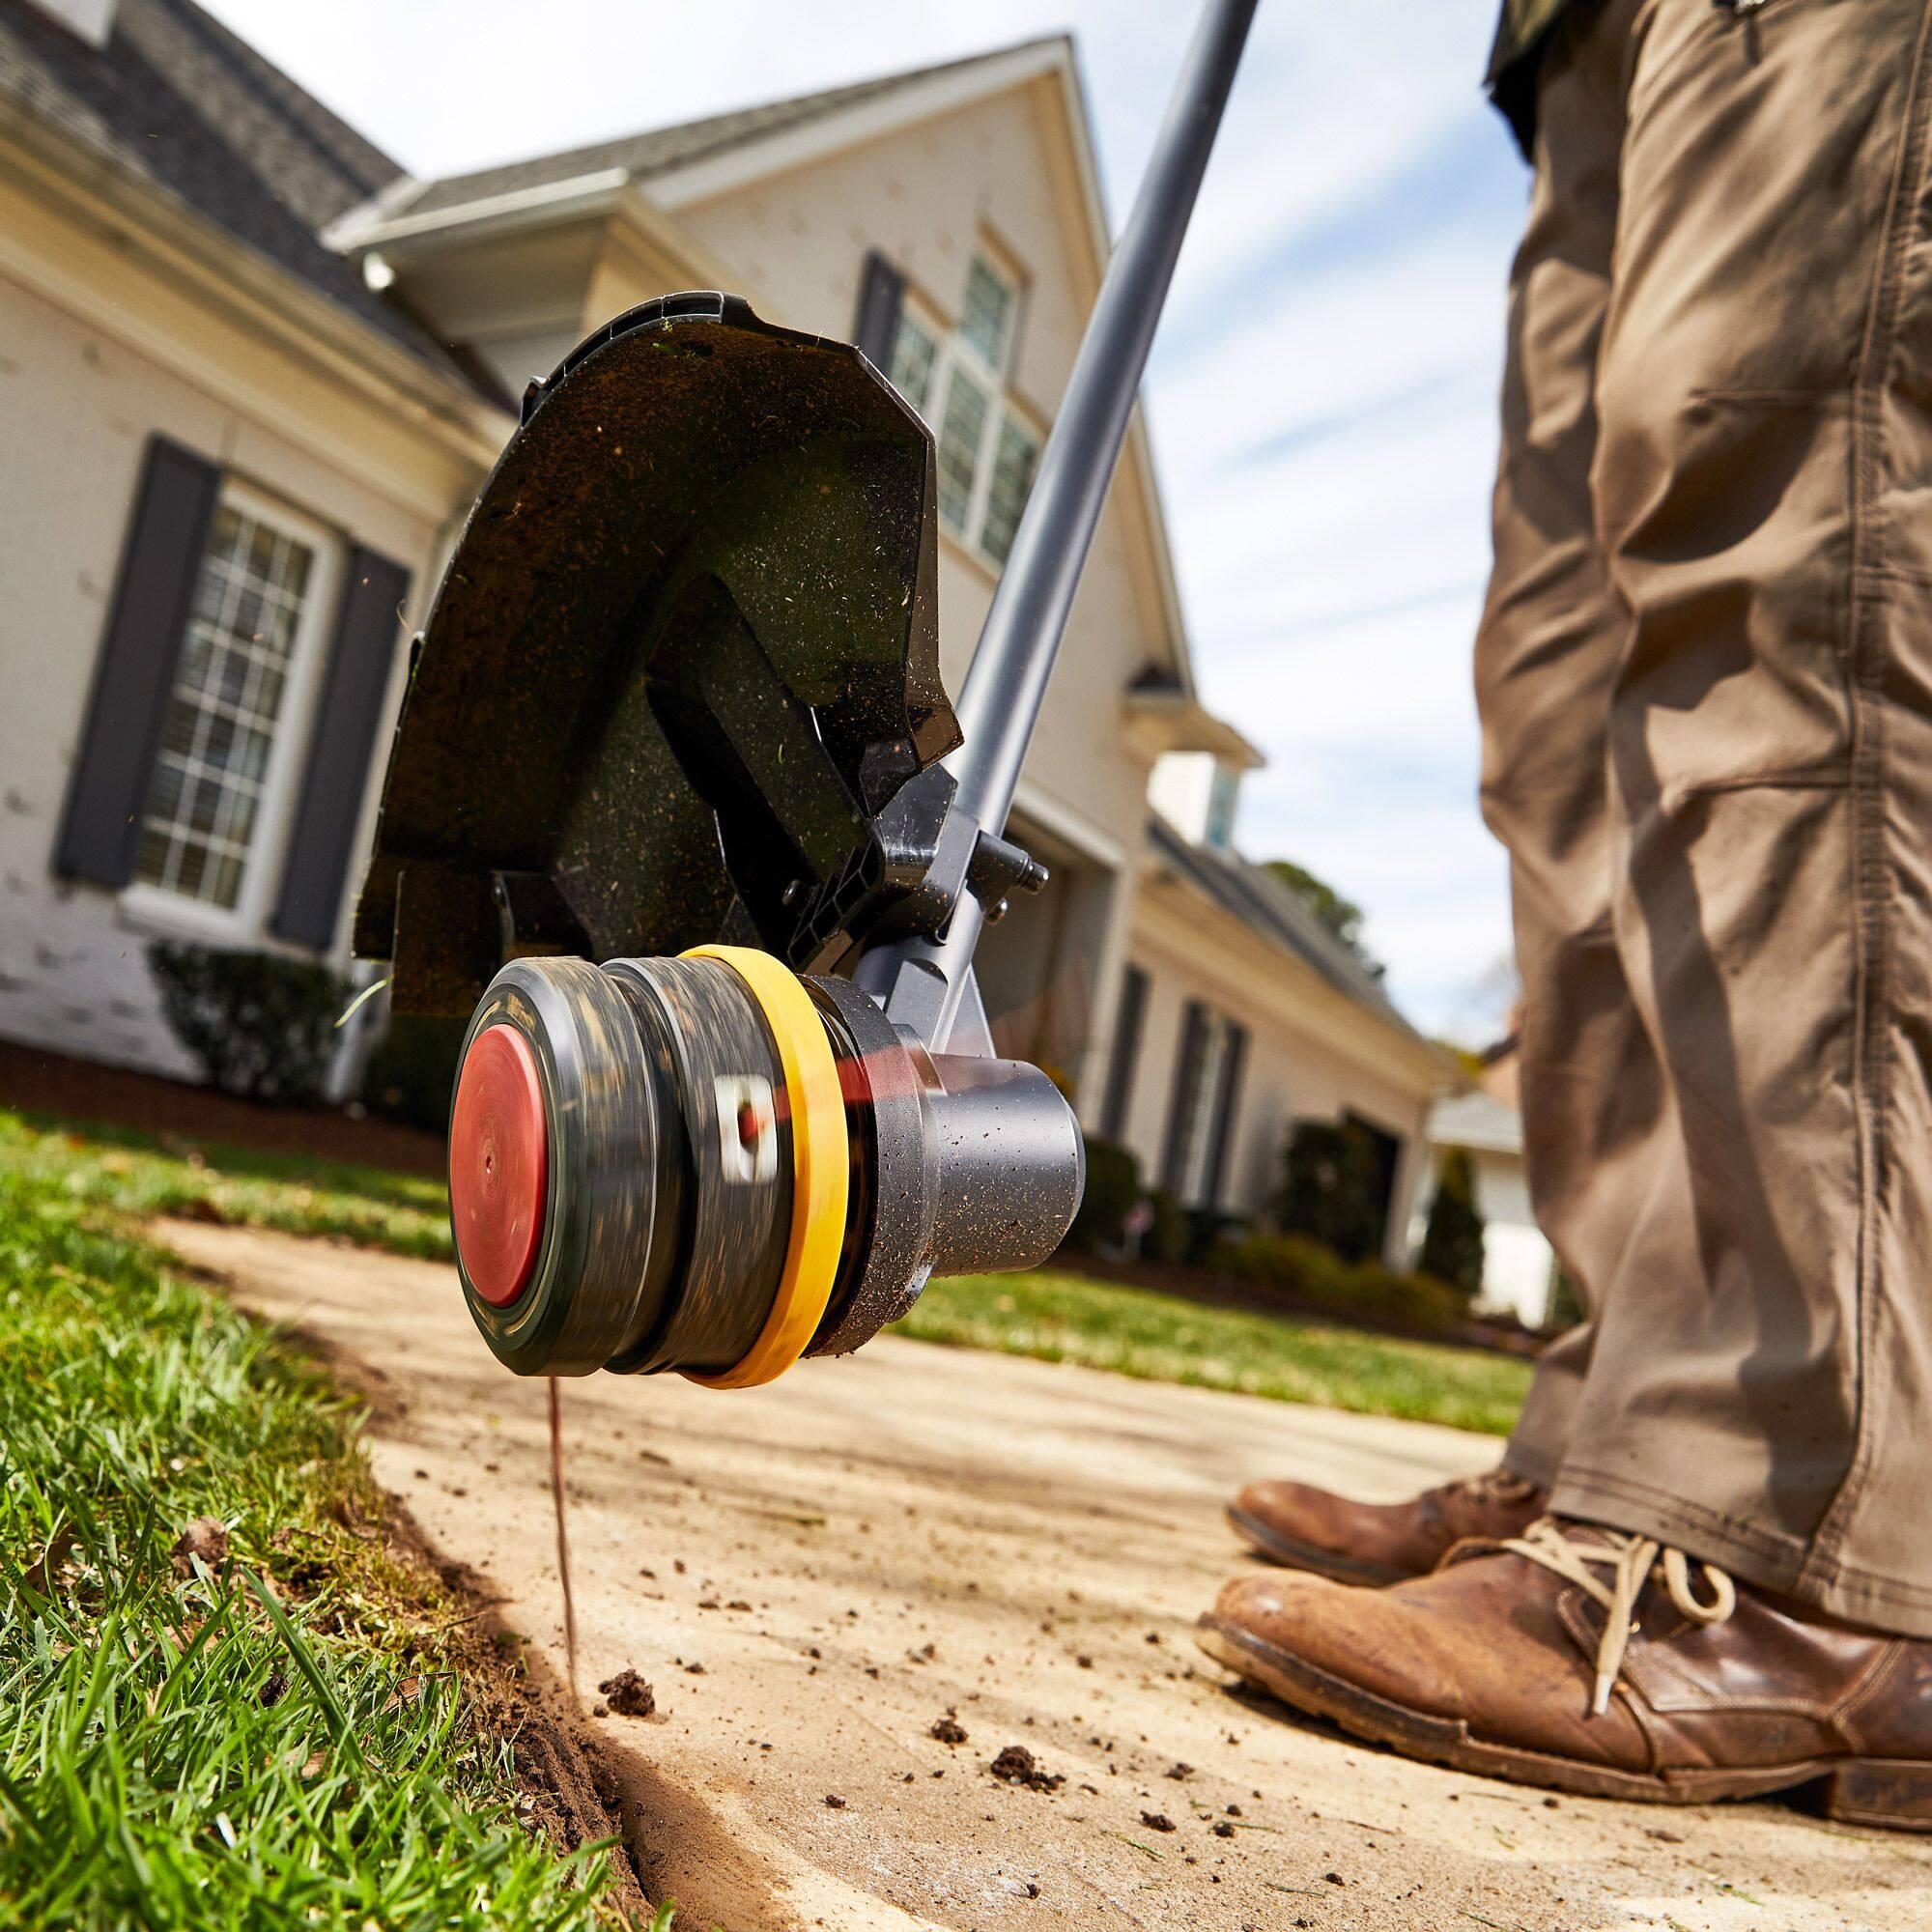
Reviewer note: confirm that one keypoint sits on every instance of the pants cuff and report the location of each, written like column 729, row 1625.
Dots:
column 1772, row 1561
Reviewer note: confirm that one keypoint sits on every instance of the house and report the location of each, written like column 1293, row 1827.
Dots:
column 1519, row 1271
column 255, row 374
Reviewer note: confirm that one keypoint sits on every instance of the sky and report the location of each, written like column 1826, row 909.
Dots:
column 1322, row 397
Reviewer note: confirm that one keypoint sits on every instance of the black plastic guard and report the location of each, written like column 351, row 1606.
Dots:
column 683, row 659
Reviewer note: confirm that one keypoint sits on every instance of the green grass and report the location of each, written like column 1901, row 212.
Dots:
column 281, row 1740
column 1049, row 1313
column 406, row 1213
column 1165, row 1337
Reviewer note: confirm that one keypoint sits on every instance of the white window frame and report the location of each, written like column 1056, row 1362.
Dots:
column 953, row 352
column 155, row 908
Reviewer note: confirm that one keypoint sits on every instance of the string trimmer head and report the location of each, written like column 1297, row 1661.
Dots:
column 677, row 709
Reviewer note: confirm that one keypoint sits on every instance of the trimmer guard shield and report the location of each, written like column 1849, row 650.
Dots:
column 683, row 656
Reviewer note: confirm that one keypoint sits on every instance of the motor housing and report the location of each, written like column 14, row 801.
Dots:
column 712, row 1165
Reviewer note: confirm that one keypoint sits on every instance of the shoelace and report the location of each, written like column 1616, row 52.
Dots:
column 1630, row 1560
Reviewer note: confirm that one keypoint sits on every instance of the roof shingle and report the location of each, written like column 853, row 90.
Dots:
column 178, row 102
column 657, row 150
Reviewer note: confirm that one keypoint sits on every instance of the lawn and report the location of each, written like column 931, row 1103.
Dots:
column 1166, row 1338
column 406, row 1213
column 270, row 1732
column 1050, row 1314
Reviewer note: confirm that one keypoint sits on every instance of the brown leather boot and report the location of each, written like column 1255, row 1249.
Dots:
column 1380, row 1543
column 1589, row 1661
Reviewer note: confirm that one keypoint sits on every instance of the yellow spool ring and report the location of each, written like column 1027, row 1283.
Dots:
column 822, row 1170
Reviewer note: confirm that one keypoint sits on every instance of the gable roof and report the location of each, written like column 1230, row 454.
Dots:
column 1267, row 907
column 181, row 104
column 657, row 150
column 667, row 168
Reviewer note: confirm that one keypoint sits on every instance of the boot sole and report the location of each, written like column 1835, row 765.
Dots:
column 1268, row 1542
column 1896, row 1794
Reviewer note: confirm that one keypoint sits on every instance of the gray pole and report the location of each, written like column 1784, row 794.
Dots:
column 923, row 981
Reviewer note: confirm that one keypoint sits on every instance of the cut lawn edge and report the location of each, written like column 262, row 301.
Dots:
column 236, row 1684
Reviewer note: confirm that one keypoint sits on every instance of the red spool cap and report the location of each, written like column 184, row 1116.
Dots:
column 499, row 1164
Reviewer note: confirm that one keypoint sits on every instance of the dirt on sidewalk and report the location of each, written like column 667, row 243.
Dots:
column 914, row 1632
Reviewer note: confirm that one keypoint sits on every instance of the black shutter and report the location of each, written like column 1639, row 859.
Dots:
column 1127, row 1024
column 347, row 717
column 881, row 290
column 1174, row 1153
column 134, row 673
column 1227, row 1103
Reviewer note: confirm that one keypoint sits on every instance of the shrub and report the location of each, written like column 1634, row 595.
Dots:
column 1566, row 1305
column 1452, row 1246
column 1331, row 1191
column 1166, row 1238
column 1113, row 1186
column 1209, row 1228
column 259, row 1025
column 1307, row 1271
column 411, row 1072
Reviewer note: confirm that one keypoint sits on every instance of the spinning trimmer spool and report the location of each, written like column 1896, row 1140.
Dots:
column 678, row 708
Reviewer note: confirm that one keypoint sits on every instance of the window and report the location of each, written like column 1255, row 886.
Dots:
column 987, row 313
column 915, row 353
column 962, row 433
column 988, row 450
column 1014, row 465
column 218, row 775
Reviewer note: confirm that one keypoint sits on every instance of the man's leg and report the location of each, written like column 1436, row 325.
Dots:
column 1761, row 1384
column 1551, row 636
column 1760, row 1389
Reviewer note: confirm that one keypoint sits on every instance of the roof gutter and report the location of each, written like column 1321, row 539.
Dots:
column 372, row 226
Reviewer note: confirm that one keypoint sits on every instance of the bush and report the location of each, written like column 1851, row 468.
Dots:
column 1167, row 1236
column 259, row 1025
column 1113, row 1186
column 1452, row 1247
column 1210, row 1228
column 1307, row 1271
column 411, row 1073
column 1332, row 1190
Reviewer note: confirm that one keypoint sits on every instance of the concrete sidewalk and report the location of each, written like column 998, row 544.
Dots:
column 868, row 1546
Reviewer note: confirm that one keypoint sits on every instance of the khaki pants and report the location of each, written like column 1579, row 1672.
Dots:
column 1705, row 672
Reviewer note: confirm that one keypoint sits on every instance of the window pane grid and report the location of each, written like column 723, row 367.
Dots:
column 986, row 313
column 1006, row 497
column 207, row 791
column 960, row 437
column 915, row 352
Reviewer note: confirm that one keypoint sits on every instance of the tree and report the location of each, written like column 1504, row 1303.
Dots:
column 1452, row 1246
column 1342, row 917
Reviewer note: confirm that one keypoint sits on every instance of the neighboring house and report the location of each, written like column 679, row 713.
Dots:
column 1241, row 1013
column 255, row 374
column 1519, row 1265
